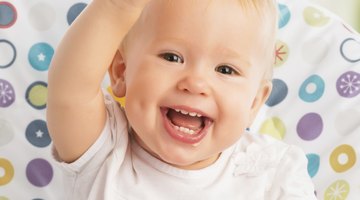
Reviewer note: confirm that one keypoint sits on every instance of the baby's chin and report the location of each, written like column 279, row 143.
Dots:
column 179, row 157
column 189, row 163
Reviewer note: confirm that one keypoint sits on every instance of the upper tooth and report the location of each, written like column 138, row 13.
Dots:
column 193, row 114
column 184, row 112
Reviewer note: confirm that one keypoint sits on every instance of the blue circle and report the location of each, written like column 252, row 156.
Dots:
column 7, row 14
column 14, row 54
column 284, row 15
column 278, row 93
column 313, row 164
column 37, row 133
column 317, row 93
column 74, row 11
column 40, row 56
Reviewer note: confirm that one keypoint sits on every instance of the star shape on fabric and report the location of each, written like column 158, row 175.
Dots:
column 39, row 134
column 41, row 57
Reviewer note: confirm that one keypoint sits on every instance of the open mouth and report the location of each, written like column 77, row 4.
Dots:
column 186, row 126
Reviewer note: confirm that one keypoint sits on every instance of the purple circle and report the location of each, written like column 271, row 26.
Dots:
column 310, row 126
column 7, row 93
column 348, row 84
column 39, row 172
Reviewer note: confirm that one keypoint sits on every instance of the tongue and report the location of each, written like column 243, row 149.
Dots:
column 186, row 121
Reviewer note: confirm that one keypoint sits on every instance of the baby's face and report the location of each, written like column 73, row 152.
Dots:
column 194, row 79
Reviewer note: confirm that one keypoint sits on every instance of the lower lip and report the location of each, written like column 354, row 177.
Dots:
column 180, row 136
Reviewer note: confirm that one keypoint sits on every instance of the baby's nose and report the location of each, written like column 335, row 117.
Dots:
column 194, row 83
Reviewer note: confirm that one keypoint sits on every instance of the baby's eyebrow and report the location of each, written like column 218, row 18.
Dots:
column 233, row 54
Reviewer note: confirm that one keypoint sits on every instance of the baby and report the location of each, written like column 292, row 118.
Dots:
column 194, row 74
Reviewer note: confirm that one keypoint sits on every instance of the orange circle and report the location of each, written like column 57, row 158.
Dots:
column 334, row 161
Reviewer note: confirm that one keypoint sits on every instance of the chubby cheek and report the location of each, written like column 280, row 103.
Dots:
column 144, row 93
column 234, row 115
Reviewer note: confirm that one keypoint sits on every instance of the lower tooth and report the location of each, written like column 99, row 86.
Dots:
column 184, row 130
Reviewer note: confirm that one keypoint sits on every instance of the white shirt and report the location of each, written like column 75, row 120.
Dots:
column 115, row 167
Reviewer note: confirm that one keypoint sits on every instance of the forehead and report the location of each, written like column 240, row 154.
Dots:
column 223, row 22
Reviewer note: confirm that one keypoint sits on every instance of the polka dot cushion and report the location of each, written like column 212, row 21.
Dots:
column 315, row 103
column 29, row 33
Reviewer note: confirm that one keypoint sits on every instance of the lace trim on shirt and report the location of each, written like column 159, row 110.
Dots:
column 255, row 160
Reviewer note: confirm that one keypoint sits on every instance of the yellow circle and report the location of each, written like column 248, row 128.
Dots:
column 281, row 53
column 3, row 198
column 38, row 95
column 118, row 99
column 338, row 190
column 274, row 127
column 315, row 17
column 349, row 152
column 9, row 171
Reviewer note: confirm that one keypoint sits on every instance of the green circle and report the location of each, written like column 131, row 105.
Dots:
column 36, row 95
column 315, row 17
column 338, row 190
column 281, row 53
column 274, row 127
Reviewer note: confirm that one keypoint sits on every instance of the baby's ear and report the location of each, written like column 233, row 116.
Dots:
column 260, row 99
column 117, row 75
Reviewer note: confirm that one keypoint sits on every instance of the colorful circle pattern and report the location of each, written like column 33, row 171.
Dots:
column 74, row 11
column 348, row 155
column 8, row 14
column 275, row 127
column 348, row 84
column 8, row 169
column 339, row 190
column 284, row 15
column 7, row 94
column 312, row 89
column 350, row 50
column 39, row 172
column 313, row 164
column 315, row 51
column 281, row 53
column 315, row 17
column 8, row 45
column 40, row 56
column 37, row 133
column 310, row 126
column 278, row 93
column 36, row 95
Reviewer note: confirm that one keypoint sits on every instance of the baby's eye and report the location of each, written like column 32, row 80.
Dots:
column 171, row 57
column 227, row 70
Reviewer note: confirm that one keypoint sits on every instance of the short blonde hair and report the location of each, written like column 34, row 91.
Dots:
column 267, row 10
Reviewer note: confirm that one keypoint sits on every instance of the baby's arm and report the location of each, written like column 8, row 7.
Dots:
column 75, row 108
